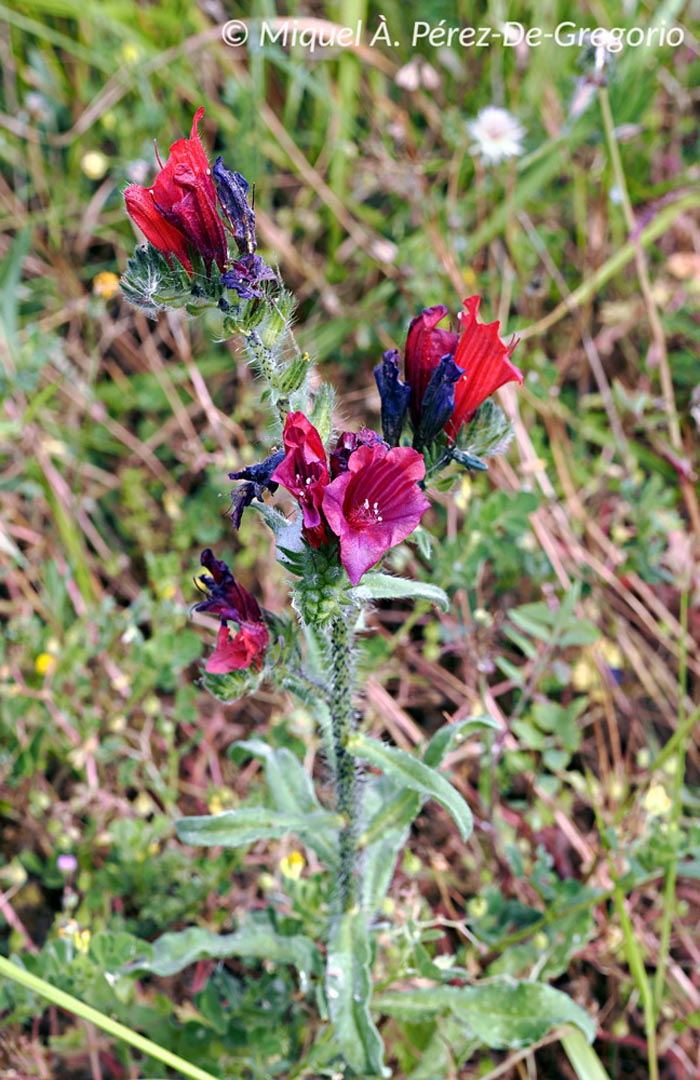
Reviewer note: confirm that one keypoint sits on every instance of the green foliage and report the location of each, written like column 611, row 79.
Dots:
column 408, row 772
column 499, row 1013
column 348, row 991
column 237, row 828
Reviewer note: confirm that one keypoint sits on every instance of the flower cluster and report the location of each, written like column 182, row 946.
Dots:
column 185, row 215
column 369, row 499
column 366, row 495
column 448, row 375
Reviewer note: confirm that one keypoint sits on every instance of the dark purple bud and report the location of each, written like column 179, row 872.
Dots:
column 232, row 189
column 394, row 395
column 438, row 402
column 245, row 274
column 258, row 481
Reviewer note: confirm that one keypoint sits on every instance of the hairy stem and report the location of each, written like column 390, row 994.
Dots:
column 267, row 363
column 343, row 723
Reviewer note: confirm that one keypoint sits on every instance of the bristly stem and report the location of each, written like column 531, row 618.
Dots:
column 343, row 723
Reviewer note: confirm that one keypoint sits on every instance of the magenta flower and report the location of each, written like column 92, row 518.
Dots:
column 304, row 473
column 375, row 504
column 232, row 603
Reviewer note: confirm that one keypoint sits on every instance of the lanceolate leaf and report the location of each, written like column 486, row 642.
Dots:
column 385, row 587
column 451, row 735
column 406, row 771
column 235, row 828
column 173, row 952
column 291, row 790
column 348, row 990
column 502, row 1013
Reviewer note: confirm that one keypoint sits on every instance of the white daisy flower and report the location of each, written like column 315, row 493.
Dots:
column 497, row 135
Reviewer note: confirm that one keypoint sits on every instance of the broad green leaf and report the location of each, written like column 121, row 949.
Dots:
column 398, row 811
column 348, row 990
column 234, row 828
column 390, row 813
column 173, row 952
column 406, row 771
column 291, row 789
column 502, row 1013
column 451, row 735
column 378, row 865
column 386, row 587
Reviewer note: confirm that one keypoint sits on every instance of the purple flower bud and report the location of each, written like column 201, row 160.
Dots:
column 438, row 402
column 394, row 394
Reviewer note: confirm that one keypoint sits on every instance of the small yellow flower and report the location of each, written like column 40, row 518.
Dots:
column 45, row 663
column 656, row 801
column 292, row 865
column 105, row 284
column 94, row 164
column 81, row 940
column 585, row 675
column 215, row 805
column 130, row 53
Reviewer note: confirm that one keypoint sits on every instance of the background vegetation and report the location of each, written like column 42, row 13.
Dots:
column 572, row 566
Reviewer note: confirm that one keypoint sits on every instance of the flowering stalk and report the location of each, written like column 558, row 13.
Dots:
column 343, row 721
column 358, row 495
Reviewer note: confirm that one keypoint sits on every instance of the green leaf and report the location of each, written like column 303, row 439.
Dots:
column 451, row 735
column 173, row 952
column 406, row 771
column 386, row 587
column 287, row 533
column 348, row 990
column 583, row 1057
column 234, row 828
column 398, row 811
column 291, row 789
column 502, row 1013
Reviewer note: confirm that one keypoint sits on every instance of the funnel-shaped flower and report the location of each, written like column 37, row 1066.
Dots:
column 375, row 504
column 485, row 360
column 448, row 376
column 178, row 213
column 304, row 473
column 232, row 603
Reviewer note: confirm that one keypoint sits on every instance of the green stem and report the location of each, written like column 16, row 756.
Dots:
column 343, row 724
column 655, row 323
column 670, row 900
column 66, row 1001
column 633, row 951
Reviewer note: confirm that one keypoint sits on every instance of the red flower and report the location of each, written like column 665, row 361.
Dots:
column 375, row 504
column 304, row 473
column 425, row 347
column 231, row 602
column 478, row 351
column 485, row 360
column 178, row 213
